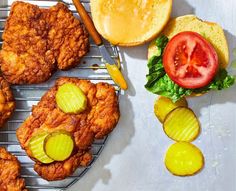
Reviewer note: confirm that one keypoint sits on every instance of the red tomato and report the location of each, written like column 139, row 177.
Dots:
column 190, row 61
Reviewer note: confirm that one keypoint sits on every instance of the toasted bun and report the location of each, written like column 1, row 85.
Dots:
column 212, row 32
column 130, row 22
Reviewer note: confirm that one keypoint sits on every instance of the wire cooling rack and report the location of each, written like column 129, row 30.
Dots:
column 91, row 68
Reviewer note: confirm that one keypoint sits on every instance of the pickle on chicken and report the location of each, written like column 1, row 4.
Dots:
column 59, row 145
column 36, row 146
column 71, row 99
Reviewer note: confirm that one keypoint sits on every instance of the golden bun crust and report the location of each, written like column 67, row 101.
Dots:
column 130, row 23
column 212, row 32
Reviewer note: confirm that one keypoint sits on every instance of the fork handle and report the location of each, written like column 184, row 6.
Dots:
column 88, row 22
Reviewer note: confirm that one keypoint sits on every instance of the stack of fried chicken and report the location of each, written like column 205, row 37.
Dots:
column 36, row 42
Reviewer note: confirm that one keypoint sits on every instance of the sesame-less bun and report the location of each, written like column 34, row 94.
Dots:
column 130, row 22
column 212, row 32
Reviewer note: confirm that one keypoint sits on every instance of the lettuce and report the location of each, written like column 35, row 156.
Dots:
column 158, row 82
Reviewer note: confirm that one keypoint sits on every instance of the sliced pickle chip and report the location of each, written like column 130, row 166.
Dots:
column 59, row 145
column 181, row 124
column 164, row 105
column 71, row 99
column 184, row 159
column 36, row 146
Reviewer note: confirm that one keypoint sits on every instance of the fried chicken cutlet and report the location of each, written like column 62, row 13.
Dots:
column 38, row 41
column 98, row 120
column 10, row 172
column 7, row 103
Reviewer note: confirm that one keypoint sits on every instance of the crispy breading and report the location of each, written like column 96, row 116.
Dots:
column 38, row 41
column 97, row 121
column 7, row 103
column 66, row 36
column 61, row 170
column 25, row 56
column 10, row 172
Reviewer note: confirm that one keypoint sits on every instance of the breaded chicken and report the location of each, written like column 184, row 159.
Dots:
column 10, row 172
column 7, row 103
column 97, row 121
column 38, row 41
column 66, row 36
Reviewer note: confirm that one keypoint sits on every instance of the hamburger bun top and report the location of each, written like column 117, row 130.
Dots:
column 130, row 22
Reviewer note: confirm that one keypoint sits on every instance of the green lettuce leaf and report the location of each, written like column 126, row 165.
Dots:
column 166, row 87
column 158, row 82
column 221, row 81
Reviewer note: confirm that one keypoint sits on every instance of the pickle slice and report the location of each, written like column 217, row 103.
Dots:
column 184, row 159
column 164, row 105
column 36, row 146
column 71, row 99
column 181, row 124
column 59, row 145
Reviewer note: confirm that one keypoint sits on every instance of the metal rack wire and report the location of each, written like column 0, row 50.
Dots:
column 91, row 67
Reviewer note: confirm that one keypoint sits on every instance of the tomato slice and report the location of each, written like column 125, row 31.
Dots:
column 190, row 61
